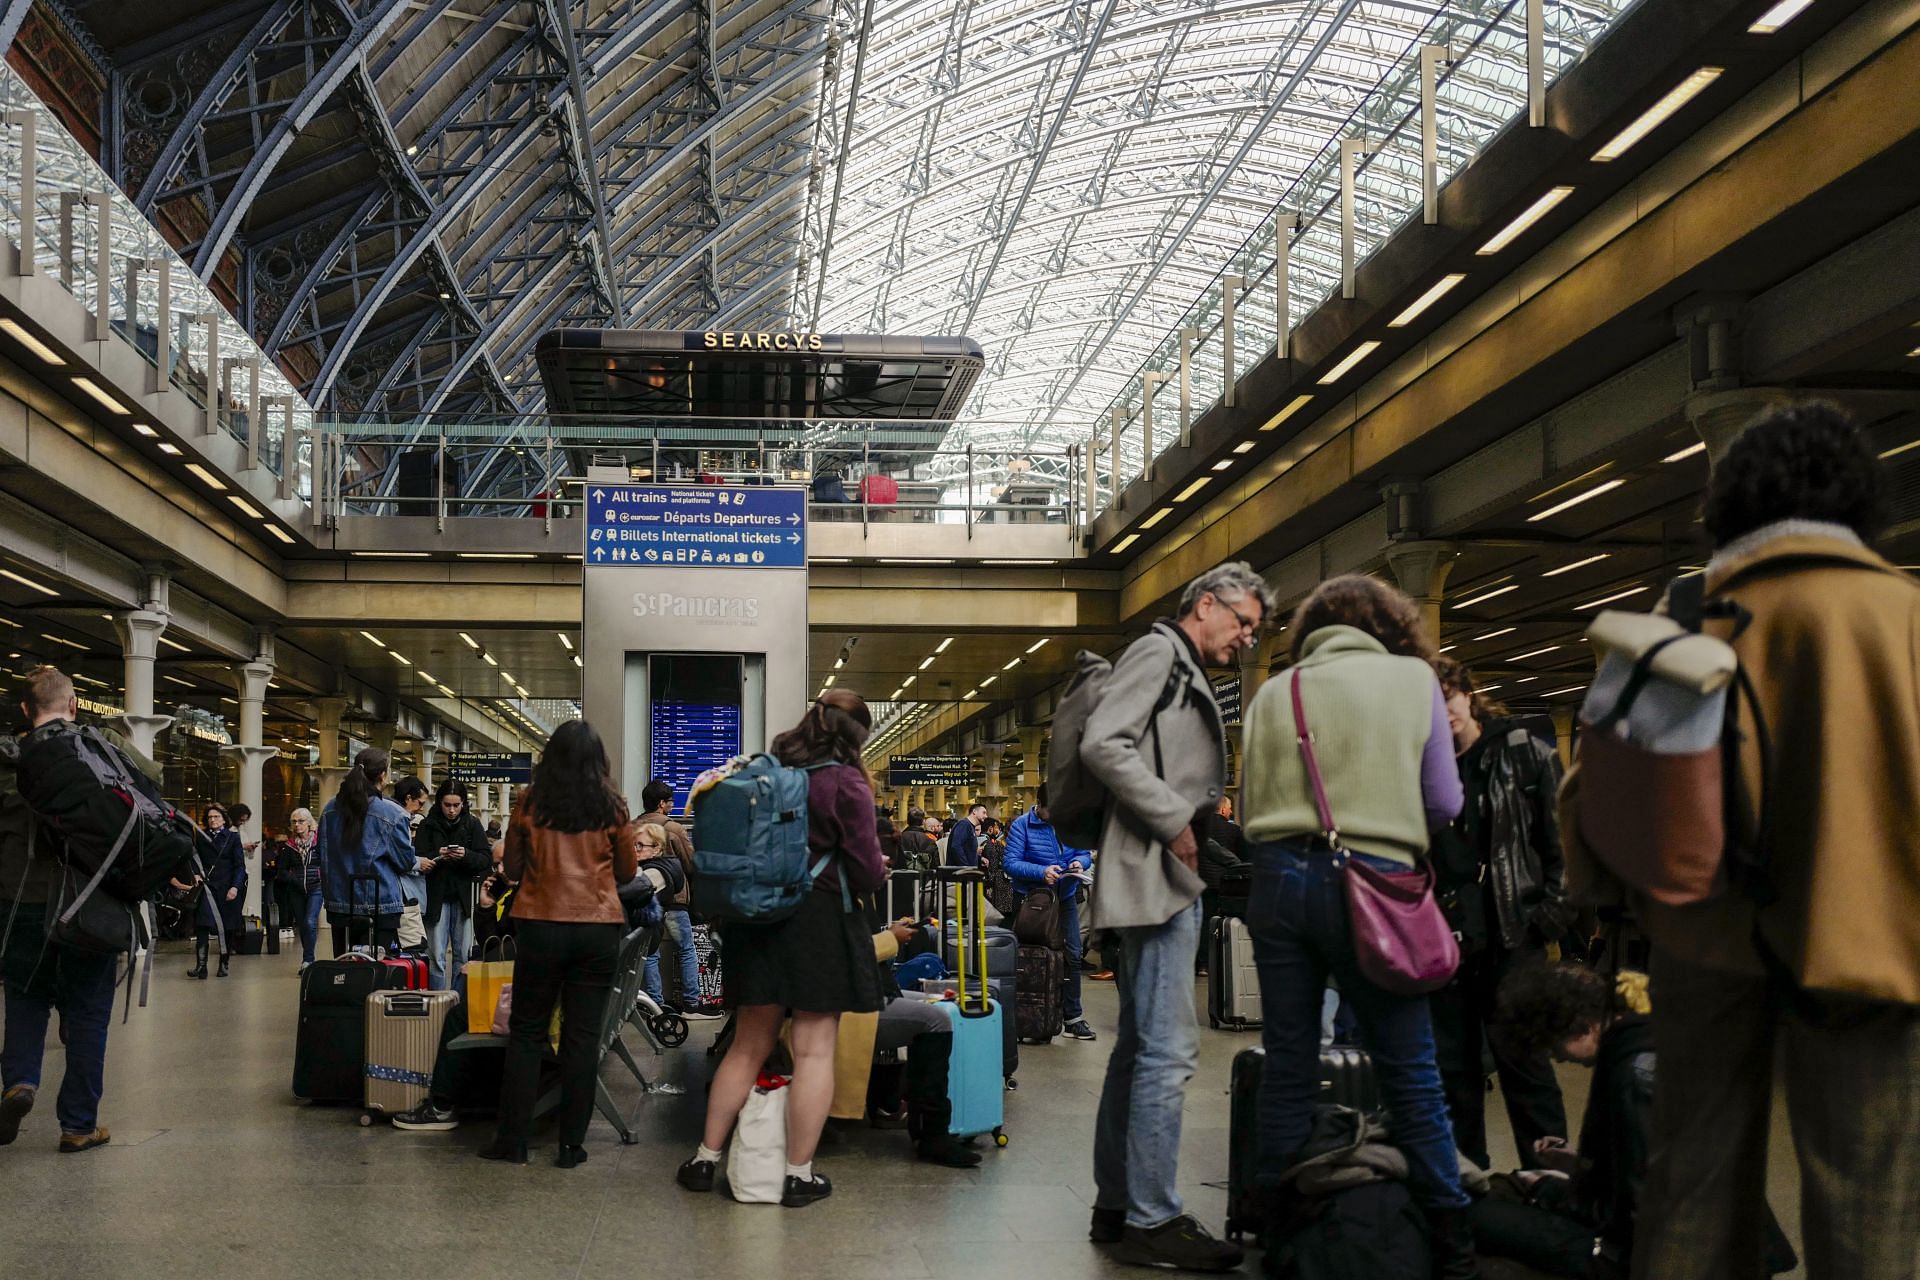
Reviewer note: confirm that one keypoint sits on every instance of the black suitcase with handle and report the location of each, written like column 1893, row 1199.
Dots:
column 1037, row 1008
column 1346, row 1079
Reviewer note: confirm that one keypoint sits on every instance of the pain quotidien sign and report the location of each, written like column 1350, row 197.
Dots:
column 728, row 340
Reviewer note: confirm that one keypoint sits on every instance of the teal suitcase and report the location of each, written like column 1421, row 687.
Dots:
column 976, row 1079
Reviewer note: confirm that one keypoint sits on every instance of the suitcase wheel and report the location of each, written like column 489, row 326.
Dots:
column 366, row 1119
column 671, row 1029
column 999, row 1138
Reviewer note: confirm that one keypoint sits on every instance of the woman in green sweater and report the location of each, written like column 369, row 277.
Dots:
column 1379, row 731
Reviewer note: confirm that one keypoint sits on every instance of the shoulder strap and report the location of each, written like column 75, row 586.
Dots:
column 1305, row 737
column 1687, row 600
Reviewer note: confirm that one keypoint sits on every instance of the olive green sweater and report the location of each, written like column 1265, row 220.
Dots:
column 1380, row 733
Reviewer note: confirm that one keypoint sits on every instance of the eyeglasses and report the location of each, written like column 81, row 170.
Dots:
column 1248, row 625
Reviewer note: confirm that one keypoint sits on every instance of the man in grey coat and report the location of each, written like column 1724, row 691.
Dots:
column 1155, row 741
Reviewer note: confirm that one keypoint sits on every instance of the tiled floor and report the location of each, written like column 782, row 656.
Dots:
column 215, row 1170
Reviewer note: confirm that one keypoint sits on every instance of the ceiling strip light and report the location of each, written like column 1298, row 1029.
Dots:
column 1225, row 464
column 489, row 659
column 495, row 555
column 1899, row 449
column 1245, row 446
column 1354, row 357
column 1618, row 595
column 566, row 640
column 1296, row 405
column 1656, row 115
column 376, row 639
column 20, row 335
column 1777, row 17
column 206, row 477
column 401, row 658
column 1572, row 688
column 1123, row 544
column 280, row 533
column 141, row 428
column 1494, row 635
column 1156, row 517
column 1441, row 287
column 925, row 663
column 174, row 644
column 246, row 508
column 391, row 555
column 1521, row 657
column 1514, row 230
column 1193, row 488
column 1608, row 487
column 1577, row 564
column 100, row 395
column 1011, row 665
column 171, row 450
column 71, row 644
column 1037, row 645
column 1487, row 595
column 25, row 581
column 471, row 643
column 989, row 680
column 942, row 646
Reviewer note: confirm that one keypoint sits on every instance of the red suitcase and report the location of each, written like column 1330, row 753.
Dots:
column 412, row 971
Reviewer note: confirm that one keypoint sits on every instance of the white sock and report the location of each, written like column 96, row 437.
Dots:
column 804, row 1172
column 703, row 1152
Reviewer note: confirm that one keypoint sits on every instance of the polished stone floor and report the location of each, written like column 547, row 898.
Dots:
column 216, row 1171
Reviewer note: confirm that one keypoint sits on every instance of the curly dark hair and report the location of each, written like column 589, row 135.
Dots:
column 1359, row 600
column 1541, row 1006
column 833, row 730
column 1457, row 677
column 1805, row 461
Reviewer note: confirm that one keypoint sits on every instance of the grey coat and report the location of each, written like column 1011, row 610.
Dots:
column 1139, row 882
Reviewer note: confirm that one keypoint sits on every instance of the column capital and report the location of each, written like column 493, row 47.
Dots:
column 249, row 756
column 1719, row 416
column 143, row 729
column 250, row 680
column 140, row 629
column 329, row 709
column 1421, row 567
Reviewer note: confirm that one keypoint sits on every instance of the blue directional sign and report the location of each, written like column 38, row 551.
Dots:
column 699, row 526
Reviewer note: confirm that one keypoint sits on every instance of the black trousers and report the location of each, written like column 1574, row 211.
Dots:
column 1462, row 1011
column 570, row 966
column 386, row 930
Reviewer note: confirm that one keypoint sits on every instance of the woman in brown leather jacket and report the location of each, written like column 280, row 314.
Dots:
column 570, row 846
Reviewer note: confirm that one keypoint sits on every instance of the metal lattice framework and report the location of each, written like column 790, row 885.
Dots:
column 400, row 196
column 1066, row 180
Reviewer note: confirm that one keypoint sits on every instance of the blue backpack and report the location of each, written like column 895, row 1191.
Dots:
column 750, row 859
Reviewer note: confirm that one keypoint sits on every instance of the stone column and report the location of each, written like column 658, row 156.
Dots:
column 380, row 734
column 990, row 788
column 139, row 631
column 1033, row 746
column 329, row 772
column 429, row 756
column 1421, row 569
column 1719, row 416
column 937, row 803
column 251, row 755
column 1563, row 731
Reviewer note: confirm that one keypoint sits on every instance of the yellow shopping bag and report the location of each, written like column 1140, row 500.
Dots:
column 485, row 977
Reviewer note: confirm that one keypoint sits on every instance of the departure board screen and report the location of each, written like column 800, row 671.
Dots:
column 695, row 720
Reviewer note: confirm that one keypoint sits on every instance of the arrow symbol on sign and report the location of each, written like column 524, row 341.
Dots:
column 793, row 519
column 598, row 494
column 599, row 553
column 793, row 537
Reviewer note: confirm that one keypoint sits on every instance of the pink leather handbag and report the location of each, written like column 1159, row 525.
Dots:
column 1401, row 940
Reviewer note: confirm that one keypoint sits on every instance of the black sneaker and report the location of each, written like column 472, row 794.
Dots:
column 704, row 1012
column 1079, row 1030
column 426, row 1118
column 800, row 1194
column 697, row 1175
column 1180, row 1245
column 14, row 1106
column 1108, row 1225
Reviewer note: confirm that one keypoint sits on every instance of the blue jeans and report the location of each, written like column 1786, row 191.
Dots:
column 1136, row 1141
column 309, row 926
column 1297, row 915
column 453, row 929
column 77, row 983
column 679, row 935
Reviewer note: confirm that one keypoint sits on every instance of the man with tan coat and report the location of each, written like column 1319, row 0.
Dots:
column 1833, row 650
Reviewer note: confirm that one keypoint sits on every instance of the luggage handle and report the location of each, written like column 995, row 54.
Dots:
column 402, row 1005
column 970, row 926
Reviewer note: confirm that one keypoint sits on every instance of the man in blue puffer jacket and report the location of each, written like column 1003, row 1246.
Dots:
column 1035, row 857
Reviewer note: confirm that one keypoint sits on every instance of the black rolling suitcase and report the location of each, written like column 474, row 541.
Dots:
column 252, row 937
column 330, row 1049
column 1233, row 982
column 1037, row 1009
column 1346, row 1079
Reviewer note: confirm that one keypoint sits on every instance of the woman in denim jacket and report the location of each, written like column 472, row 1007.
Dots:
column 365, row 835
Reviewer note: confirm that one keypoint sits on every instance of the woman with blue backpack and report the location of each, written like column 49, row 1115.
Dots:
column 815, row 963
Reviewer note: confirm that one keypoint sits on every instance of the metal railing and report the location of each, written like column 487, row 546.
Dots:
column 875, row 472
column 67, row 220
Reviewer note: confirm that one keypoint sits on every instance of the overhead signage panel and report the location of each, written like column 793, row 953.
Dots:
column 1226, row 695
column 484, row 768
column 929, row 771
column 697, row 526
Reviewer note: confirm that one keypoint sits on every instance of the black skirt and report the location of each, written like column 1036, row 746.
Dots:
column 820, row 959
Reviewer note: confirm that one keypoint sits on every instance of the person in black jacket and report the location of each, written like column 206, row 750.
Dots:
column 222, row 882
column 1500, row 879
column 451, row 837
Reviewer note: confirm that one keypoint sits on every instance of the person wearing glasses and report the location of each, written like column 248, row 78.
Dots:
column 1156, row 741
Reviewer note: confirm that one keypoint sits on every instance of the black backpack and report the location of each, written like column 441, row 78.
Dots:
column 1369, row 1232
column 113, row 825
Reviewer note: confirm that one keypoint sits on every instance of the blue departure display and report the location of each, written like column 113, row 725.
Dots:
column 688, row 738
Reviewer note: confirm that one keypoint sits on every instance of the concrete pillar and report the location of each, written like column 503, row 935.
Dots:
column 1033, row 748
column 1719, row 416
column 139, row 631
column 1421, row 569
column 937, row 803
column 251, row 755
column 1563, row 732
column 429, row 756
column 380, row 734
column 329, row 772
column 990, row 788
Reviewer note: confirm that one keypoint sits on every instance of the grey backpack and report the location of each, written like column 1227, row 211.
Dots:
column 1076, row 799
